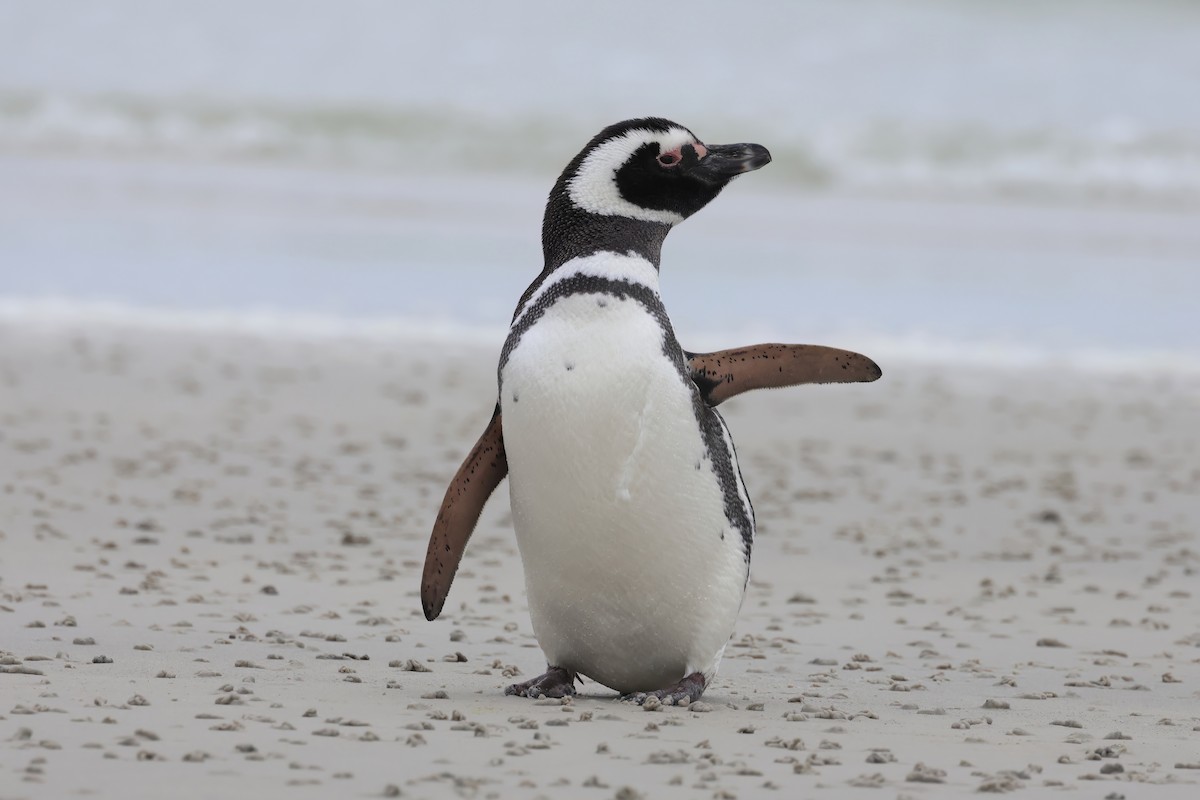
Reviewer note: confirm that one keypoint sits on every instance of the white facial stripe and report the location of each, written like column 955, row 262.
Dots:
column 594, row 186
column 613, row 266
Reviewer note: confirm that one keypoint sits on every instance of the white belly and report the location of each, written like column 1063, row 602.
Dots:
column 634, row 574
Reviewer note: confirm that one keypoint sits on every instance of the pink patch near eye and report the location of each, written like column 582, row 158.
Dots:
column 701, row 150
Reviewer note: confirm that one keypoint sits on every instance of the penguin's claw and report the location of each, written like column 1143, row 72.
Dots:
column 554, row 682
column 684, row 693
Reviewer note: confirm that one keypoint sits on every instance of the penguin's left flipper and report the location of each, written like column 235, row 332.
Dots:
column 728, row 373
column 473, row 484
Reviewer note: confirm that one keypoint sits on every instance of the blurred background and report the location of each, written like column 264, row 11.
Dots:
column 1001, row 182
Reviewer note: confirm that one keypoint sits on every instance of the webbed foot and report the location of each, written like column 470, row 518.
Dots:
column 554, row 682
column 685, row 692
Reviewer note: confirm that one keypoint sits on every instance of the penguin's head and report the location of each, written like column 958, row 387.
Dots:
column 653, row 170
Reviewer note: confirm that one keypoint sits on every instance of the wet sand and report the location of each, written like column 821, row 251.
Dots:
column 965, row 580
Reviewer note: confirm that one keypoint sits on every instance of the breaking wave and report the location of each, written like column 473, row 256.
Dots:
column 1114, row 163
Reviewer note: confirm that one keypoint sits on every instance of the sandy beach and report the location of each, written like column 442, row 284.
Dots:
column 964, row 580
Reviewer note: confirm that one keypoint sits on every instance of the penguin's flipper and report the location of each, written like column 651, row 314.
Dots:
column 728, row 373
column 473, row 484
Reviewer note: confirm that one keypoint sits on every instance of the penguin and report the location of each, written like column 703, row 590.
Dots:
column 634, row 525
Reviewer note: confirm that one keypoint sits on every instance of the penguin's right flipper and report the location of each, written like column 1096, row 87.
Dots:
column 728, row 373
column 473, row 484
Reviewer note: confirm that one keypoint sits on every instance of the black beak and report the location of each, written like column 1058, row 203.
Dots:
column 726, row 161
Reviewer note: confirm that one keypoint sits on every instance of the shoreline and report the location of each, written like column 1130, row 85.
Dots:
column 54, row 315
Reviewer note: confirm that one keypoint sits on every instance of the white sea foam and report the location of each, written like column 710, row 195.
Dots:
column 59, row 315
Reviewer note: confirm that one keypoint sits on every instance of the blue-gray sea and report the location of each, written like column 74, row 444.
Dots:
column 983, row 180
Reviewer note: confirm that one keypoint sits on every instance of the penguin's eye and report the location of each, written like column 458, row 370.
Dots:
column 668, row 159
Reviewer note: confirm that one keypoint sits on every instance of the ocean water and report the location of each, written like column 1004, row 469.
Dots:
column 984, row 181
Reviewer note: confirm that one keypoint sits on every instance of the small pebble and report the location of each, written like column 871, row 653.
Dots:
column 924, row 774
